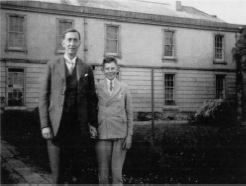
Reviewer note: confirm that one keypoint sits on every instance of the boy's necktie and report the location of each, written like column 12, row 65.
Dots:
column 111, row 86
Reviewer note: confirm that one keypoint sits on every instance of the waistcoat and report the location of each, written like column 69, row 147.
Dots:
column 71, row 91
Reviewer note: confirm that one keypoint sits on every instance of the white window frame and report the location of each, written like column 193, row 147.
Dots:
column 16, row 48
column 174, row 89
column 23, row 70
column 58, row 35
column 118, row 53
column 174, row 48
column 218, row 60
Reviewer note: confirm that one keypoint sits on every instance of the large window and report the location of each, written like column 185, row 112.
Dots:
column 169, row 89
column 112, row 46
column 220, row 87
column 62, row 26
column 169, row 44
column 15, row 89
column 219, row 48
column 16, row 29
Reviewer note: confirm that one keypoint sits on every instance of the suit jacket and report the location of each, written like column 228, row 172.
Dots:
column 53, row 92
column 115, row 115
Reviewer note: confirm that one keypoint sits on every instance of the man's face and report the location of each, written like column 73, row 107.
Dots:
column 110, row 70
column 71, row 43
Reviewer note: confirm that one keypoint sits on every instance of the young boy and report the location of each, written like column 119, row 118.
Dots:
column 115, row 124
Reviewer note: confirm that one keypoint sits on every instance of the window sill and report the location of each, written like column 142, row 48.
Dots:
column 59, row 52
column 16, row 50
column 170, row 107
column 15, row 108
column 222, row 62
column 172, row 59
column 113, row 55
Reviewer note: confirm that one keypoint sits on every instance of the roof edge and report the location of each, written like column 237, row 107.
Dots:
column 45, row 7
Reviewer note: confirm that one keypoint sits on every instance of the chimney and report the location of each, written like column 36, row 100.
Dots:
column 178, row 6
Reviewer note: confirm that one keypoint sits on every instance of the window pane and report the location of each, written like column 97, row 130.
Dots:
column 112, row 39
column 219, row 49
column 220, row 87
column 112, row 46
column 19, row 40
column 168, row 48
column 12, row 24
column 21, row 25
column 15, row 87
column 60, row 30
column 16, row 32
column 112, row 32
column 169, row 89
column 63, row 26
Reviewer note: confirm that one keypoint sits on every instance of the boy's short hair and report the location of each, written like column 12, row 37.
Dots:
column 109, row 59
column 70, row 30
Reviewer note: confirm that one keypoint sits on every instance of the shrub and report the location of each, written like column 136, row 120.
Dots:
column 215, row 112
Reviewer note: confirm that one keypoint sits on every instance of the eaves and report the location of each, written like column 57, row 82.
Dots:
column 118, row 16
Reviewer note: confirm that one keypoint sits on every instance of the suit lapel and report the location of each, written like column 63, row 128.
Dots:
column 104, row 88
column 62, row 69
column 80, row 68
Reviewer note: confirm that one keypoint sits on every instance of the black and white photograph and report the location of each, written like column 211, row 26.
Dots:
column 119, row 92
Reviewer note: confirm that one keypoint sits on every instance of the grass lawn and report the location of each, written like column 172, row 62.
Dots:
column 179, row 154
column 187, row 154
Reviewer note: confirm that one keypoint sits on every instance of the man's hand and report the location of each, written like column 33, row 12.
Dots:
column 93, row 131
column 47, row 133
column 128, row 142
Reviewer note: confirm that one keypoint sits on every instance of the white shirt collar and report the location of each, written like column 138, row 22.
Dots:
column 69, row 60
column 108, row 81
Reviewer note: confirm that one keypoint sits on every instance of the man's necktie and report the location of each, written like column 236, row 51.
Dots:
column 111, row 86
column 72, row 67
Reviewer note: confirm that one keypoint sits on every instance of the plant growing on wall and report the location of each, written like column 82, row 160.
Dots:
column 239, row 56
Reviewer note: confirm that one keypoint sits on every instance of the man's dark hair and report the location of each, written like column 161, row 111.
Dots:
column 109, row 59
column 70, row 30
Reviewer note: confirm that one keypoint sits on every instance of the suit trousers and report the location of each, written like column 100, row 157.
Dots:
column 110, row 157
column 63, row 149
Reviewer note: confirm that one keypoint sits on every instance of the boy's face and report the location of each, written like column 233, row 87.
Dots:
column 110, row 70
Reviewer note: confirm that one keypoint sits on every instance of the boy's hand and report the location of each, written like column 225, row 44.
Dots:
column 93, row 131
column 47, row 133
column 128, row 142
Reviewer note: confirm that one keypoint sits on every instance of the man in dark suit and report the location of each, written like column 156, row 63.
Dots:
column 67, row 104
